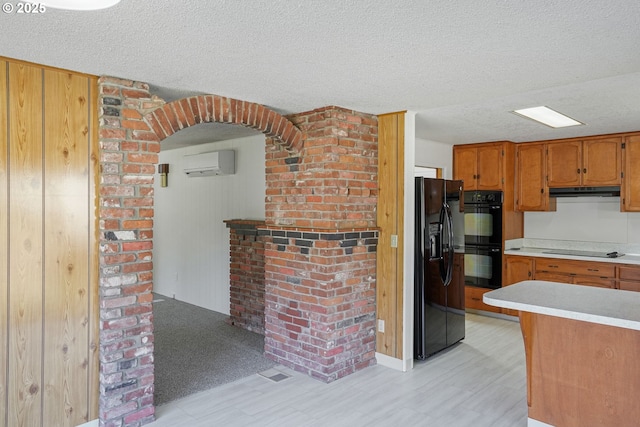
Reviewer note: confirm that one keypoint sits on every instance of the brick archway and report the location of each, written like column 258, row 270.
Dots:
column 182, row 113
column 320, row 237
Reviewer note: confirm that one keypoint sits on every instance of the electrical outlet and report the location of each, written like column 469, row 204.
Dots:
column 394, row 240
column 380, row 325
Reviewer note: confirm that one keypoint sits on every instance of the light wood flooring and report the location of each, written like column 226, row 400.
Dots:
column 479, row 382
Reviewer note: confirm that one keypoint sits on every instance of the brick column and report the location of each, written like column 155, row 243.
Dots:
column 128, row 154
column 320, row 245
column 246, row 275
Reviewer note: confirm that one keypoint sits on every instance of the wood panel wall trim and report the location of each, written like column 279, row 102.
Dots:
column 93, row 249
column 390, row 218
column 48, row 230
column 26, row 246
column 399, row 331
column 4, row 243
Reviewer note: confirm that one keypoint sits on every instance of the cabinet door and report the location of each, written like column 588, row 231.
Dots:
column 602, row 162
column 519, row 268
column 465, row 166
column 531, row 188
column 552, row 277
column 628, row 285
column 490, row 171
column 564, row 165
column 594, row 281
column 631, row 180
column 473, row 299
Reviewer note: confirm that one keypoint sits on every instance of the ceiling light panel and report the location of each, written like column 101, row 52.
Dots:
column 547, row 116
column 80, row 4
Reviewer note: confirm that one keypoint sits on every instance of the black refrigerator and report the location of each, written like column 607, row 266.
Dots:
column 439, row 266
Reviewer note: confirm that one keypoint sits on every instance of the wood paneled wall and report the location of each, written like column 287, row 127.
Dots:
column 48, row 277
column 389, row 271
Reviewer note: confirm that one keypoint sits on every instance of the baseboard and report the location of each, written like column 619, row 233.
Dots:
column 93, row 423
column 393, row 363
column 535, row 423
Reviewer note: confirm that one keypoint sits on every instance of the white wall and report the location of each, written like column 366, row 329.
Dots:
column 191, row 242
column 586, row 219
column 434, row 154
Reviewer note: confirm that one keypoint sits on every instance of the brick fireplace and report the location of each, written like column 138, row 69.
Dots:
column 319, row 237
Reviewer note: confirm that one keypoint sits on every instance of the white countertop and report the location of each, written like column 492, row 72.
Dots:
column 611, row 307
column 540, row 252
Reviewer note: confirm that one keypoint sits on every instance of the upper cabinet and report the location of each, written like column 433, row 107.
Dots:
column 630, row 189
column 593, row 162
column 480, row 166
column 532, row 193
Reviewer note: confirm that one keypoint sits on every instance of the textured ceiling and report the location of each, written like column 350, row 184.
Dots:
column 460, row 65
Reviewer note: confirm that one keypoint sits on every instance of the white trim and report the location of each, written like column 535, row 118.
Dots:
column 535, row 423
column 93, row 423
column 393, row 363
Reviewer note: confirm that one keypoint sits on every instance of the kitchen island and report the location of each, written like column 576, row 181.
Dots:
column 582, row 347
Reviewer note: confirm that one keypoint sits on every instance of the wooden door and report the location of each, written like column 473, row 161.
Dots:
column 490, row 167
column 531, row 187
column 631, row 180
column 564, row 164
column 465, row 166
column 602, row 161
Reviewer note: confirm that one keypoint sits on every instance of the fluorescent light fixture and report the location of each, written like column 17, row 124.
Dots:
column 547, row 116
column 80, row 4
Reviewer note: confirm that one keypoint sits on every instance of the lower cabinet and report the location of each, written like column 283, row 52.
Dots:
column 517, row 269
column 629, row 278
column 587, row 273
column 473, row 299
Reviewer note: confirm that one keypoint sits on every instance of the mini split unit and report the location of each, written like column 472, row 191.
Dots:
column 209, row 164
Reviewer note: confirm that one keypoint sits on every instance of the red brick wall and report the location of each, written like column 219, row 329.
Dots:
column 246, row 275
column 320, row 246
column 319, row 236
column 128, row 154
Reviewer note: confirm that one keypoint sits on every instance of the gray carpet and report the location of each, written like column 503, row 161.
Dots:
column 196, row 350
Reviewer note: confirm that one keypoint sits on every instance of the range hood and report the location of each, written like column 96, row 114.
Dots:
column 585, row 191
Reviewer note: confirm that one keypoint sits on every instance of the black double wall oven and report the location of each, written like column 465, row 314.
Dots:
column 483, row 239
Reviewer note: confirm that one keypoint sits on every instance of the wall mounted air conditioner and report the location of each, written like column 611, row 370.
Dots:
column 208, row 164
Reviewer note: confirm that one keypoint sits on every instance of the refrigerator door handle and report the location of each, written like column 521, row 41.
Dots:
column 441, row 258
column 450, row 248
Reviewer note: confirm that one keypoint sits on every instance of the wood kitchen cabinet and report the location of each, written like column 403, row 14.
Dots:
column 517, row 269
column 629, row 278
column 587, row 273
column 532, row 193
column 473, row 299
column 480, row 166
column 591, row 162
column 630, row 189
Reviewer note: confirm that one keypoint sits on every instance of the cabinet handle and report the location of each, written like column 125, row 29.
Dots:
column 584, row 170
column 529, row 274
column 475, row 176
column 542, row 191
column 475, row 299
column 552, row 266
column 578, row 170
column 593, row 269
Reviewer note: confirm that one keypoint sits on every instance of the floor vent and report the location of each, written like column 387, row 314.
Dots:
column 274, row 375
